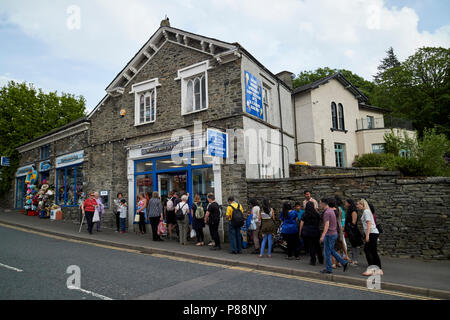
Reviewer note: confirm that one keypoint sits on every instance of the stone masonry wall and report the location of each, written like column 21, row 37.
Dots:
column 413, row 212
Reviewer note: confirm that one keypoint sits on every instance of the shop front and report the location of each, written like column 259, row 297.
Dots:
column 69, row 179
column 160, row 171
column 21, row 189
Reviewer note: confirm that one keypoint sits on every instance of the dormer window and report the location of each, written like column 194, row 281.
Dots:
column 145, row 94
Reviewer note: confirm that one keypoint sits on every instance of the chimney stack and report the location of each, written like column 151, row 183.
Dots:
column 286, row 77
column 165, row 22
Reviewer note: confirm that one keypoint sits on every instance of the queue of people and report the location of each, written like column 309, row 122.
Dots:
column 323, row 229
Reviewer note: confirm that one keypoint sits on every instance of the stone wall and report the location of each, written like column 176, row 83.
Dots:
column 299, row 170
column 413, row 212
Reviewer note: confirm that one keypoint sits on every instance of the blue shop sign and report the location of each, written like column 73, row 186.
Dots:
column 70, row 159
column 5, row 161
column 44, row 166
column 217, row 143
column 253, row 96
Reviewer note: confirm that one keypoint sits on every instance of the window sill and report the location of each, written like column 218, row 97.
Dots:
column 338, row 130
column 144, row 123
column 196, row 111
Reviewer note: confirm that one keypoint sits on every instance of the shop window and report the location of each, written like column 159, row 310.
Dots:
column 69, row 185
column 146, row 166
column 168, row 164
column 144, row 183
column 203, row 183
column 43, row 176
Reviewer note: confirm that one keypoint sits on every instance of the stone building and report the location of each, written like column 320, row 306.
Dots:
column 208, row 96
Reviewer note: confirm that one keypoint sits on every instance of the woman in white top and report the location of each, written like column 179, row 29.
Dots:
column 183, row 224
column 255, row 224
column 371, row 237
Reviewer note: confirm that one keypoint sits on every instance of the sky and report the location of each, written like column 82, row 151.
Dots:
column 79, row 46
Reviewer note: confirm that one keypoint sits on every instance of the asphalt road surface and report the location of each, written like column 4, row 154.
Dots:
column 34, row 266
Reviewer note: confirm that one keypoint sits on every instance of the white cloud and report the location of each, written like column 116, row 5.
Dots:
column 284, row 35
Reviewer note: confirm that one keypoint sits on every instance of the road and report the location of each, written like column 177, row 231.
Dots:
column 34, row 266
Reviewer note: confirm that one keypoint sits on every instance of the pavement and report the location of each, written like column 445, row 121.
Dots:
column 409, row 276
column 37, row 266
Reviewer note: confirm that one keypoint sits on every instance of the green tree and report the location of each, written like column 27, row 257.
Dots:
column 388, row 63
column 27, row 113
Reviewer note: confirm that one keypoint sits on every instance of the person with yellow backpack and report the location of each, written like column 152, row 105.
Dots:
column 235, row 216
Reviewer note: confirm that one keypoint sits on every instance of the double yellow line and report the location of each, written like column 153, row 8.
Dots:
column 268, row 273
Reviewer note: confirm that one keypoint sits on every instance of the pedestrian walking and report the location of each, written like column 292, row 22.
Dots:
column 371, row 237
column 155, row 214
column 299, row 211
column 142, row 212
column 117, row 203
column 198, row 220
column 101, row 210
column 123, row 210
column 88, row 209
column 289, row 230
column 330, row 235
column 212, row 218
column 352, row 231
column 341, row 223
column 182, row 214
column 268, row 227
column 338, row 243
column 255, row 224
column 310, row 232
column 235, row 217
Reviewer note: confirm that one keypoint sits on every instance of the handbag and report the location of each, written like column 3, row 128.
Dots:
column 162, row 230
column 193, row 233
column 136, row 217
column 96, row 217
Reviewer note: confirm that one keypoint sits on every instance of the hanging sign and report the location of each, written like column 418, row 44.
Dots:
column 5, row 161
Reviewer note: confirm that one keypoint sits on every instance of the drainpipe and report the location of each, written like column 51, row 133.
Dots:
column 295, row 130
column 281, row 127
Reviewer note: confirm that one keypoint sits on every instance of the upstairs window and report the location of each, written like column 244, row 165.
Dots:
column 195, row 98
column 266, row 101
column 337, row 116
column 45, row 152
column 194, row 87
column 147, row 106
column 341, row 117
column 370, row 122
column 334, row 116
column 145, row 97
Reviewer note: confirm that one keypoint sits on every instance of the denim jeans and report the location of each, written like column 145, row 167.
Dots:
column 235, row 238
column 329, row 243
column 123, row 222
column 266, row 238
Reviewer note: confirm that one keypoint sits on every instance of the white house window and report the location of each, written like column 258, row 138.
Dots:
column 145, row 95
column 266, row 101
column 194, row 87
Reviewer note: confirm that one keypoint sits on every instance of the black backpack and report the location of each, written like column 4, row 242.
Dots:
column 180, row 214
column 237, row 217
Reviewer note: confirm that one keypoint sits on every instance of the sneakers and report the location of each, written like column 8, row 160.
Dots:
column 325, row 271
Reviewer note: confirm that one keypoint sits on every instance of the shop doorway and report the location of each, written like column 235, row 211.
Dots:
column 172, row 181
column 21, row 192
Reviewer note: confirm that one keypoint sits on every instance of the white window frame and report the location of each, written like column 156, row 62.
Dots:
column 267, row 92
column 195, row 71
column 144, row 88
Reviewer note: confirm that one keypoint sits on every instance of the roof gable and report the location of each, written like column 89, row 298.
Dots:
column 213, row 47
column 341, row 79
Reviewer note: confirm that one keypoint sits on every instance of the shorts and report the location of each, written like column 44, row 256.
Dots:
column 171, row 218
